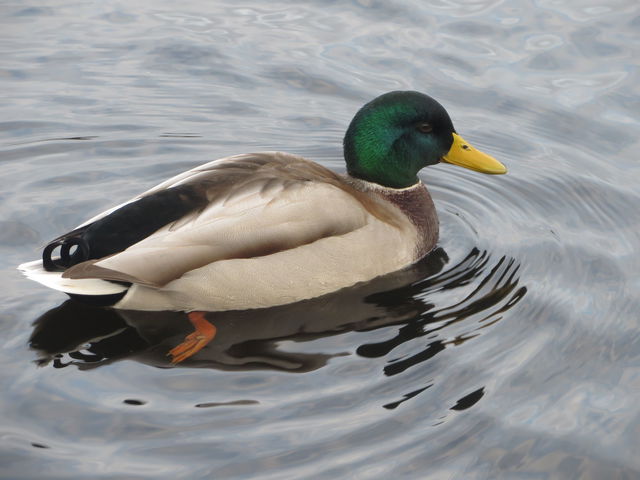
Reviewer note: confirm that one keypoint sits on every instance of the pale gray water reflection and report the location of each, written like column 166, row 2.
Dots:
column 511, row 352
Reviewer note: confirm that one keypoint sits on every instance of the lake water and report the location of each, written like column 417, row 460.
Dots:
column 513, row 351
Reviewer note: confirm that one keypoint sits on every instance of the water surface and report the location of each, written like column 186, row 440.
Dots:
column 510, row 352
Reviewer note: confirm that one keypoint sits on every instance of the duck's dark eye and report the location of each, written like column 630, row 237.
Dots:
column 425, row 128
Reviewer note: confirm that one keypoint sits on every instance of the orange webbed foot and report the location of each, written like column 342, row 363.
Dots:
column 194, row 342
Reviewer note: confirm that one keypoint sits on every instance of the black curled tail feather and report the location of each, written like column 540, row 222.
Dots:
column 66, row 259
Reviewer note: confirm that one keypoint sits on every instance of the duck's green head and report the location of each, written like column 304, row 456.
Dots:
column 397, row 134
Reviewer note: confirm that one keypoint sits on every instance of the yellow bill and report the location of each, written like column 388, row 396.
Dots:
column 464, row 155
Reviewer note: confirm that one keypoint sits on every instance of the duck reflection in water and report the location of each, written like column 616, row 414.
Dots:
column 88, row 337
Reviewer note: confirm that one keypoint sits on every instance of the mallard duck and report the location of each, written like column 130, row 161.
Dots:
column 265, row 229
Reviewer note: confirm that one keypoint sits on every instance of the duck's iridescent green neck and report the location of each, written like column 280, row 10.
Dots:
column 382, row 144
column 369, row 148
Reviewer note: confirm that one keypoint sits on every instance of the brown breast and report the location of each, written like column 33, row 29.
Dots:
column 417, row 205
column 415, row 202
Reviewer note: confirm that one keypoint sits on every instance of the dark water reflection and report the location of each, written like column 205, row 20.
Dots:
column 511, row 352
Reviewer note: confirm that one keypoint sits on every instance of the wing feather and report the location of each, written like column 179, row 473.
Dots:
column 259, row 204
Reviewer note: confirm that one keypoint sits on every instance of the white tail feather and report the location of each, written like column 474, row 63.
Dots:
column 89, row 286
